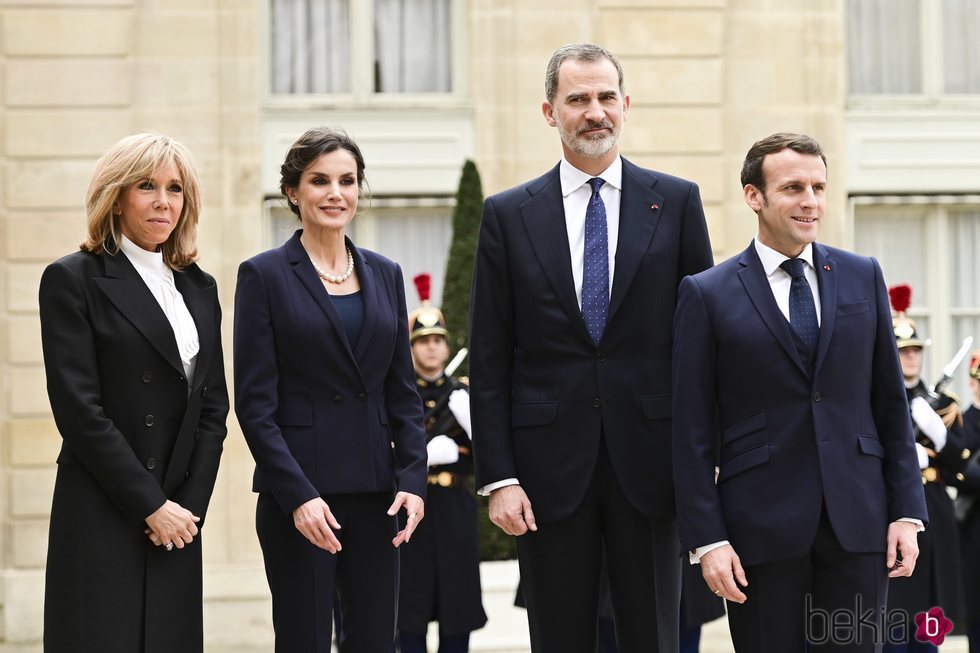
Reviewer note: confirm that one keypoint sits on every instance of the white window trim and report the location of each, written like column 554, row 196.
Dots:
column 362, row 73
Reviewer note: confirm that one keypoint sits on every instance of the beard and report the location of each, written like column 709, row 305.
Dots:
column 591, row 146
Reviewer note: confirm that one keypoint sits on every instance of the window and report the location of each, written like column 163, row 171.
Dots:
column 929, row 243
column 362, row 48
column 913, row 47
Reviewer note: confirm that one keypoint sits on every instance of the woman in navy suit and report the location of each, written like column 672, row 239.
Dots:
column 325, row 394
column 130, row 327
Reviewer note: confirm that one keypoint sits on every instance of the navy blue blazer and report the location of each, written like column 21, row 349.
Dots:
column 542, row 393
column 319, row 416
column 794, row 432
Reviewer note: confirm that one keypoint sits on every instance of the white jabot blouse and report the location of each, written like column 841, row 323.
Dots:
column 160, row 280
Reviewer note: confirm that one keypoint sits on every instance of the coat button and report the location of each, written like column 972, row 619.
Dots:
column 337, row 399
column 361, row 396
column 596, row 403
column 146, row 377
column 148, row 420
column 197, row 434
column 151, row 463
column 601, row 357
column 817, row 396
column 204, row 390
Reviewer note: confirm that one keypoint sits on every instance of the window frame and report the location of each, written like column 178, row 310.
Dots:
column 362, row 92
column 933, row 71
column 938, row 310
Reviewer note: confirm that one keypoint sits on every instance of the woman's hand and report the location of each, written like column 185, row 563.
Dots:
column 415, row 507
column 172, row 525
column 315, row 521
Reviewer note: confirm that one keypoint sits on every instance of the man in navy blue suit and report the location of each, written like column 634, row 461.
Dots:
column 573, row 299
column 787, row 377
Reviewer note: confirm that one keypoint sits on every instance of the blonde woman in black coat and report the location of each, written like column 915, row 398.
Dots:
column 132, row 353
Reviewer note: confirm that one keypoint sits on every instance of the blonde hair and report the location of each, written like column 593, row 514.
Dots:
column 130, row 161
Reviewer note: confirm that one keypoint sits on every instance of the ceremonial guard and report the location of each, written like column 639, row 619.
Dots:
column 968, row 509
column 938, row 428
column 440, row 568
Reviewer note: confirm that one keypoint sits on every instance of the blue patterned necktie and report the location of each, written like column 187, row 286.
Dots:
column 595, row 266
column 802, row 312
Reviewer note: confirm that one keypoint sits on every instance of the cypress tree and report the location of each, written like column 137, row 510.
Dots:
column 459, row 266
column 494, row 543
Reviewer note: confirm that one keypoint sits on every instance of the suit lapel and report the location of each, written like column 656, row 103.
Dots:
column 200, row 304
column 369, row 293
column 303, row 269
column 827, row 281
column 544, row 220
column 753, row 278
column 128, row 293
column 638, row 221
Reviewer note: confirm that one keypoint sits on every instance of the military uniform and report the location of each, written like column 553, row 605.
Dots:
column 937, row 579
column 440, row 566
column 968, row 510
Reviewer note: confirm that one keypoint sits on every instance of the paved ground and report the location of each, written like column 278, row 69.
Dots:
column 714, row 639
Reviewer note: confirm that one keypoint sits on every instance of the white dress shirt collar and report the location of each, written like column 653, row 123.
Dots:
column 572, row 178
column 771, row 259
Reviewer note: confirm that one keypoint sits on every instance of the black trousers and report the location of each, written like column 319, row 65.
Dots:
column 304, row 578
column 560, row 574
column 793, row 602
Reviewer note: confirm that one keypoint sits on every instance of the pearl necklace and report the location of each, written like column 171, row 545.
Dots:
column 333, row 278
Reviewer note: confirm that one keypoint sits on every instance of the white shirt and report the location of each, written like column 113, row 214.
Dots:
column 160, row 280
column 576, row 192
column 780, row 280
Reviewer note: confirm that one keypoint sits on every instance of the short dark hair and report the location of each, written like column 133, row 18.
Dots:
column 586, row 52
column 308, row 148
column 752, row 166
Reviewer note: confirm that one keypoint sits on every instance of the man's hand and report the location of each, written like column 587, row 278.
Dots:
column 510, row 510
column 902, row 539
column 721, row 568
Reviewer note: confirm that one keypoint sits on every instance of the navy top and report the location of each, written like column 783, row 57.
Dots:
column 351, row 309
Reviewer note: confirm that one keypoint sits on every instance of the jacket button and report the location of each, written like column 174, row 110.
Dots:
column 197, row 434
column 151, row 463
column 596, row 402
column 337, row 399
column 204, row 390
column 817, row 396
column 148, row 420
column 361, row 396
column 146, row 377
column 601, row 357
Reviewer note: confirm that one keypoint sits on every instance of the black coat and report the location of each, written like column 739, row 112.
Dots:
column 440, row 567
column 969, row 497
column 937, row 579
column 134, row 436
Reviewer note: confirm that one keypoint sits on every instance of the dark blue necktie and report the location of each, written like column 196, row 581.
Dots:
column 802, row 312
column 595, row 266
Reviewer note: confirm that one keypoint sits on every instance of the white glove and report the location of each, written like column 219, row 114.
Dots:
column 929, row 422
column 923, row 455
column 459, row 405
column 442, row 450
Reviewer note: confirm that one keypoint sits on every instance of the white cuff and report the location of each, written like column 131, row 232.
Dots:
column 695, row 555
column 487, row 489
